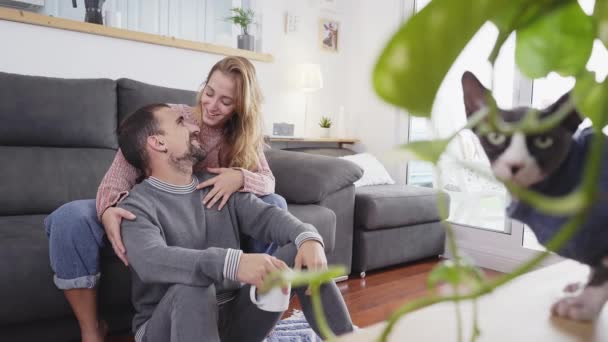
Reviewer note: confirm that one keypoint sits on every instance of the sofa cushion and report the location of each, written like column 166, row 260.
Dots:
column 37, row 180
column 374, row 173
column 323, row 151
column 134, row 94
column 45, row 111
column 386, row 247
column 322, row 218
column 28, row 291
column 304, row 178
column 387, row 206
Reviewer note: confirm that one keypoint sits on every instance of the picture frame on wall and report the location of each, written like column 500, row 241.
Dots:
column 329, row 34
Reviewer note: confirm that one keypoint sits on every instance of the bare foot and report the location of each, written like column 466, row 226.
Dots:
column 97, row 335
column 585, row 306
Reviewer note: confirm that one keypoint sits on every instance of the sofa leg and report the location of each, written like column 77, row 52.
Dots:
column 362, row 274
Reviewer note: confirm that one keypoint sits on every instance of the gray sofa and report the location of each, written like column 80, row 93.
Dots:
column 57, row 139
column 393, row 224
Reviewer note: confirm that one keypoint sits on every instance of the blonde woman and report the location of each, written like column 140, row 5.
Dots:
column 227, row 111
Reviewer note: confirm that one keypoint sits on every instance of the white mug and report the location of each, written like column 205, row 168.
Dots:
column 274, row 300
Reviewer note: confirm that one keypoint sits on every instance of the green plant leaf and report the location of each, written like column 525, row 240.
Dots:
column 455, row 273
column 299, row 278
column 560, row 41
column 600, row 13
column 325, row 122
column 589, row 96
column 445, row 272
column 414, row 63
column 427, row 150
column 564, row 205
column 511, row 17
column 241, row 17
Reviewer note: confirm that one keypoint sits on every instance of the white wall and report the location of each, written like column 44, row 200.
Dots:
column 380, row 126
column 285, row 102
column 36, row 50
column 366, row 26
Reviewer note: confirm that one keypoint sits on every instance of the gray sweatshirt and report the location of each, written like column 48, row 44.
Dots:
column 175, row 240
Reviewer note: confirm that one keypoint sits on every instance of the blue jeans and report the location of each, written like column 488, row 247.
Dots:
column 76, row 237
column 255, row 246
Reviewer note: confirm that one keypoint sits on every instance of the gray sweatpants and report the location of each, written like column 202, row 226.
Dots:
column 189, row 313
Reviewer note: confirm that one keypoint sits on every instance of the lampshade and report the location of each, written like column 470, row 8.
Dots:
column 311, row 78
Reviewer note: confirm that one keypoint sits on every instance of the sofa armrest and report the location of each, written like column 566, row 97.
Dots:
column 305, row 178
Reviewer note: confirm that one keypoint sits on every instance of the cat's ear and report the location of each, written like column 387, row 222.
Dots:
column 474, row 93
column 573, row 120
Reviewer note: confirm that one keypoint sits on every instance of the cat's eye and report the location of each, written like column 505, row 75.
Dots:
column 496, row 138
column 543, row 142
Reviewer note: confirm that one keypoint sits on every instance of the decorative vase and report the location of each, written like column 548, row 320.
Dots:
column 324, row 132
column 93, row 12
column 246, row 42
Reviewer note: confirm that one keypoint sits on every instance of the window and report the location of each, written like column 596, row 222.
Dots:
column 418, row 172
column 196, row 20
column 477, row 204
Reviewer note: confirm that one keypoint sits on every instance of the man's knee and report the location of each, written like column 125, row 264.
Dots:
column 188, row 298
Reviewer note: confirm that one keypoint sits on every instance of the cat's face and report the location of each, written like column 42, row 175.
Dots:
column 524, row 160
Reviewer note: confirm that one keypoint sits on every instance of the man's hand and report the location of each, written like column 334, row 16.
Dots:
column 227, row 182
column 254, row 267
column 111, row 220
column 311, row 255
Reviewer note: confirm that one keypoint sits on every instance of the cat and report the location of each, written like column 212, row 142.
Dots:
column 551, row 163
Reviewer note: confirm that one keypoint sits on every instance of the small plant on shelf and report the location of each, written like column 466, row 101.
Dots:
column 325, row 122
column 241, row 17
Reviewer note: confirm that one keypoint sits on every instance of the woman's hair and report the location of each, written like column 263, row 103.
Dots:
column 243, row 132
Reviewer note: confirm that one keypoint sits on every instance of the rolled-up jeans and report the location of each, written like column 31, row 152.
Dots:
column 76, row 237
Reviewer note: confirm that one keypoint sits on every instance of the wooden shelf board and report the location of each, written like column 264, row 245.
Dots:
column 20, row 16
column 328, row 140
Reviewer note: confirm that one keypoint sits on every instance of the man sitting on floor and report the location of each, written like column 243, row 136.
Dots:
column 187, row 265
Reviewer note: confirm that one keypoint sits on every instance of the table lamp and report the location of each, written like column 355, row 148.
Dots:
column 310, row 81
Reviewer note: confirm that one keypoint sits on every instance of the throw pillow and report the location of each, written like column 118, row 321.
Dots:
column 374, row 172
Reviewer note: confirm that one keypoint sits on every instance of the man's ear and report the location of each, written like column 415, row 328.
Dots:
column 474, row 93
column 156, row 144
column 572, row 120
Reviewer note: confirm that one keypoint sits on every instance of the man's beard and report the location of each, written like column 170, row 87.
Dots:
column 185, row 162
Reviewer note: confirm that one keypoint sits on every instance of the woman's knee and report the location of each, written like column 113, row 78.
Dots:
column 73, row 222
column 276, row 200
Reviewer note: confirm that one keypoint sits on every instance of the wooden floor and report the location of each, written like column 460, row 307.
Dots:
column 372, row 299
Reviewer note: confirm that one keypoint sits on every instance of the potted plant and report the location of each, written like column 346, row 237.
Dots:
column 92, row 11
column 243, row 18
column 325, row 124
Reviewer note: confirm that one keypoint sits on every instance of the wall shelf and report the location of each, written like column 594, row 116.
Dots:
column 20, row 16
column 300, row 142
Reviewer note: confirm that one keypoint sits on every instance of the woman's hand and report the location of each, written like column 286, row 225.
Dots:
column 111, row 220
column 227, row 182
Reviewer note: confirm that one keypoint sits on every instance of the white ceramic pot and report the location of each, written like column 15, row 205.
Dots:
column 325, row 132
